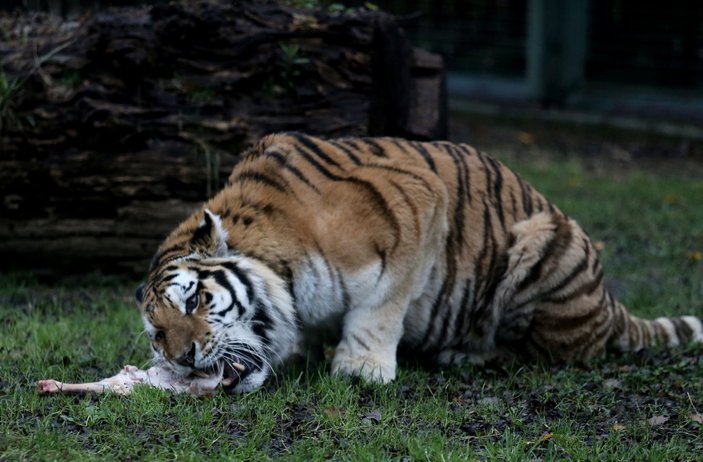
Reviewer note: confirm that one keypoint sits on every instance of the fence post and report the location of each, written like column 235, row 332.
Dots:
column 557, row 35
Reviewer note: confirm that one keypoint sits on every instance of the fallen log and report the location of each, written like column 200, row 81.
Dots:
column 115, row 126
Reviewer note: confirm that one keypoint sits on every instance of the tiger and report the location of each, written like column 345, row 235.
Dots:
column 382, row 247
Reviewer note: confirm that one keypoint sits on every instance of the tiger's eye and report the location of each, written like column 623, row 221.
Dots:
column 191, row 303
column 159, row 336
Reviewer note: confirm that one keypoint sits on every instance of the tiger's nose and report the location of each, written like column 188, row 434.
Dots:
column 188, row 359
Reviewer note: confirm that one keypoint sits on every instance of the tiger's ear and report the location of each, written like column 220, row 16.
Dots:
column 139, row 294
column 210, row 237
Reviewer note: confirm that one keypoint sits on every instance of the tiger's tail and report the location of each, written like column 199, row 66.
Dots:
column 631, row 333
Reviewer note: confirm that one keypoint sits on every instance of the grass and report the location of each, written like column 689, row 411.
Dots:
column 647, row 406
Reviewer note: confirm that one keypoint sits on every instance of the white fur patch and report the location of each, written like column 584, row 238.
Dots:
column 695, row 324
column 318, row 297
column 221, row 235
column 181, row 287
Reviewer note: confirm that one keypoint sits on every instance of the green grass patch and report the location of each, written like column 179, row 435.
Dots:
column 646, row 406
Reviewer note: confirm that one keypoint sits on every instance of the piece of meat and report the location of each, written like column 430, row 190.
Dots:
column 124, row 382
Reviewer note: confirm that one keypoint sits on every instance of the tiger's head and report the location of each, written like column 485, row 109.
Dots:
column 209, row 309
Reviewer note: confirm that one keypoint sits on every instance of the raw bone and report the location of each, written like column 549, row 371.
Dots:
column 123, row 383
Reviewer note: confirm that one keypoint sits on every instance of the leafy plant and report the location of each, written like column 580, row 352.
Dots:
column 285, row 73
column 9, row 88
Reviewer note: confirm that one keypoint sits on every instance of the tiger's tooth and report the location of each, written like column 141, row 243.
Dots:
column 226, row 382
column 200, row 374
column 239, row 367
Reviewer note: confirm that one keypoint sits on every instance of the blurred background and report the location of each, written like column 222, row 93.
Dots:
column 135, row 115
column 641, row 58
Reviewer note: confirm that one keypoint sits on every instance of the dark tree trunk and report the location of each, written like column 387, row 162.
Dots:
column 114, row 127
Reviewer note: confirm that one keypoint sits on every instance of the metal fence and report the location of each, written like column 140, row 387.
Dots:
column 551, row 51
column 631, row 41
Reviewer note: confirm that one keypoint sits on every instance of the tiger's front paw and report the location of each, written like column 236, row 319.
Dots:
column 367, row 367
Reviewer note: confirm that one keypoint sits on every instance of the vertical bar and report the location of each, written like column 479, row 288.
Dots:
column 557, row 36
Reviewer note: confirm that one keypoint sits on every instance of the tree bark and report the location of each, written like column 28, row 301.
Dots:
column 113, row 128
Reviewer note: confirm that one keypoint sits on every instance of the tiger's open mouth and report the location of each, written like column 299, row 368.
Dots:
column 233, row 372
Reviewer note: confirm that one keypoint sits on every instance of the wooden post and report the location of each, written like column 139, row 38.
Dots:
column 557, row 34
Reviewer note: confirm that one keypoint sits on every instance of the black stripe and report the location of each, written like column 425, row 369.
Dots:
column 526, row 198
column 600, row 334
column 358, row 340
column 243, row 278
column 595, row 266
column 318, row 166
column 278, row 265
column 380, row 203
column 346, row 298
column 488, row 288
column 203, row 233
column 283, row 162
column 400, row 144
column 160, row 259
column 513, row 204
column 569, row 323
column 377, row 198
column 168, row 278
column 683, row 330
column 382, row 255
column 584, row 290
column 401, row 171
column 375, row 148
column 498, row 190
column 420, row 148
column 261, row 178
column 447, row 315
column 487, row 172
column 575, row 272
column 261, row 323
column 596, row 329
column 481, row 277
column 487, row 229
column 312, row 145
column 221, row 278
column 555, row 248
column 441, row 297
column 267, row 209
column 496, row 273
column 408, row 200
column 458, row 230
column 466, row 171
column 465, row 309
column 353, row 157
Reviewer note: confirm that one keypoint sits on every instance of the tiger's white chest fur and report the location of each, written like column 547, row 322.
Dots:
column 324, row 293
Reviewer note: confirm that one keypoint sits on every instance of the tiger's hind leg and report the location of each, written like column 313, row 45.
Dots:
column 556, row 306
